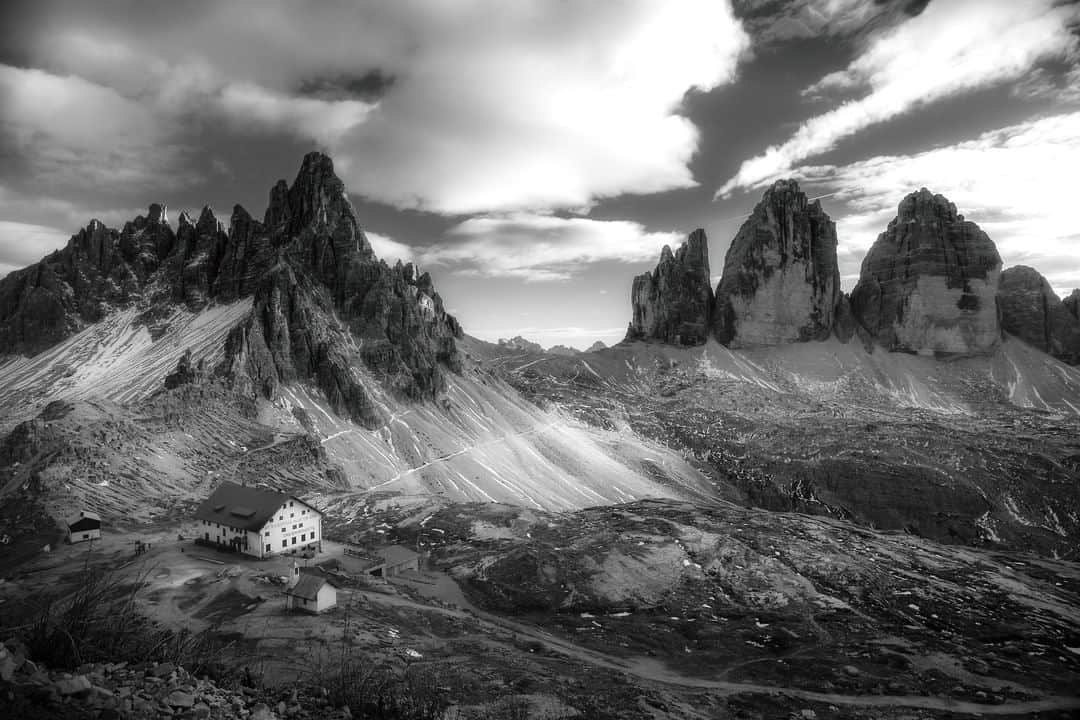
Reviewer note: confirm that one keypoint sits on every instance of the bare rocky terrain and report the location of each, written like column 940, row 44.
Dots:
column 797, row 523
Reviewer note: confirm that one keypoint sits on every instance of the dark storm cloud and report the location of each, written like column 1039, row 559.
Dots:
column 369, row 86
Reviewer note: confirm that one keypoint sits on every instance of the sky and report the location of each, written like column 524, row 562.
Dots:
column 534, row 156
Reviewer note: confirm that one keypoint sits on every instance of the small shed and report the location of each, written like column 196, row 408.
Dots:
column 84, row 527
column 394, row 560
column 309, row 591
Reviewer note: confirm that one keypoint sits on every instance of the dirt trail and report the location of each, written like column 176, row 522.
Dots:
column 654, row 671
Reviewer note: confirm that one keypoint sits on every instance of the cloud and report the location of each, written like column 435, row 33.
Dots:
column 23, row 244
column 388, row 249
column 543, row 248
column 1017, row 183
column 478, row 107
column 952, row 47
column 73, row 132
column 324, row 121
column 815, row 18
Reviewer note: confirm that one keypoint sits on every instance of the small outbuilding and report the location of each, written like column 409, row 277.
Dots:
column 309, row 591
column 394, row 560
column 84, row 527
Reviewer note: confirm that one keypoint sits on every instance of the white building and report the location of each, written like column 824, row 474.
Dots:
column 258, row 522
column 309, row 591
column 84, row 526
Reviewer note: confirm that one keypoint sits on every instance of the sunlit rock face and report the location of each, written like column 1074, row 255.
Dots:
column 929, row 284
column 673, row 303
column 1032, row 311
column 781, row 282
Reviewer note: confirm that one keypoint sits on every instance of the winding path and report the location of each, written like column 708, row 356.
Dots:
column 654, row 671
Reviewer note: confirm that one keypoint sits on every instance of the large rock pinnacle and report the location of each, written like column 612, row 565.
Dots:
column 929, row 283
column 781, row 282
column 673, row 303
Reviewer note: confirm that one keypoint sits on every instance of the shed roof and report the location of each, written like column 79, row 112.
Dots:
column 84, row 515
column 307, row 587
column 243, row 507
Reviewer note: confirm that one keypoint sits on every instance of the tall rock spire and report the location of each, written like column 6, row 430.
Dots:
column 929, row 284
column 673, row 303
column 781, row 282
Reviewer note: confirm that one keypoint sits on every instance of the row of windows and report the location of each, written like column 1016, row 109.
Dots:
column 281, row 517
column 285, row 543
column 297, row 526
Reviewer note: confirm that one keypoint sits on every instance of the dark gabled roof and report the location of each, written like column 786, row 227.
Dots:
column 85, row 515
column 396, row 554
column 84, row 523
column 307, row 587
column 242, row 507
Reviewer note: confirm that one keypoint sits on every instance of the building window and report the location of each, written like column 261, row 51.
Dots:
column 292, row 515
column 267, row 533
column 303, row 538
column 284, row 543
column 294, row 540
column 267, row 547
column 290, row 503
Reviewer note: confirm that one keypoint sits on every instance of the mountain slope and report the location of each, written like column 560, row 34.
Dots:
column 978, row 450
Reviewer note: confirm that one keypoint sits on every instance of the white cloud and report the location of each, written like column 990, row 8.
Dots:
column 1017, row 183
column 952, row 47
column 74, row 132
column 543, row 248
column 388, row 249
column 324, row 121
column 23, row 244
column 493, row 105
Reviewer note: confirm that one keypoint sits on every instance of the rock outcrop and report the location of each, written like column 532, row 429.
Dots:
column 673, row 303
column 1032, row 311
column 596, row 347
column 324, row 307
column 781, row 282
column 929, row 283
column 519, row 343
column 1072, row 303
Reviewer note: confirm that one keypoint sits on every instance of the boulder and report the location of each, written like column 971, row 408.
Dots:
column 1032, row 311
column 781, row 282
column 929, row 283
column 673, row 303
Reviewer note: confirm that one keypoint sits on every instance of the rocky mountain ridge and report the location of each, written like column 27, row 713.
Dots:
column 324, row 307
column 931, row 284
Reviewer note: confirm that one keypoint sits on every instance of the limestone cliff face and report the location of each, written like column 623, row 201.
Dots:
column 781, row 282
column 1072, row 303
column 929, row 284
column 324, row 307
column 1032, row 311
column 673, row 303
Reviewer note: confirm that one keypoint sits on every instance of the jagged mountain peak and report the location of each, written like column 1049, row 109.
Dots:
column 322, row 304
column 673, row 302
